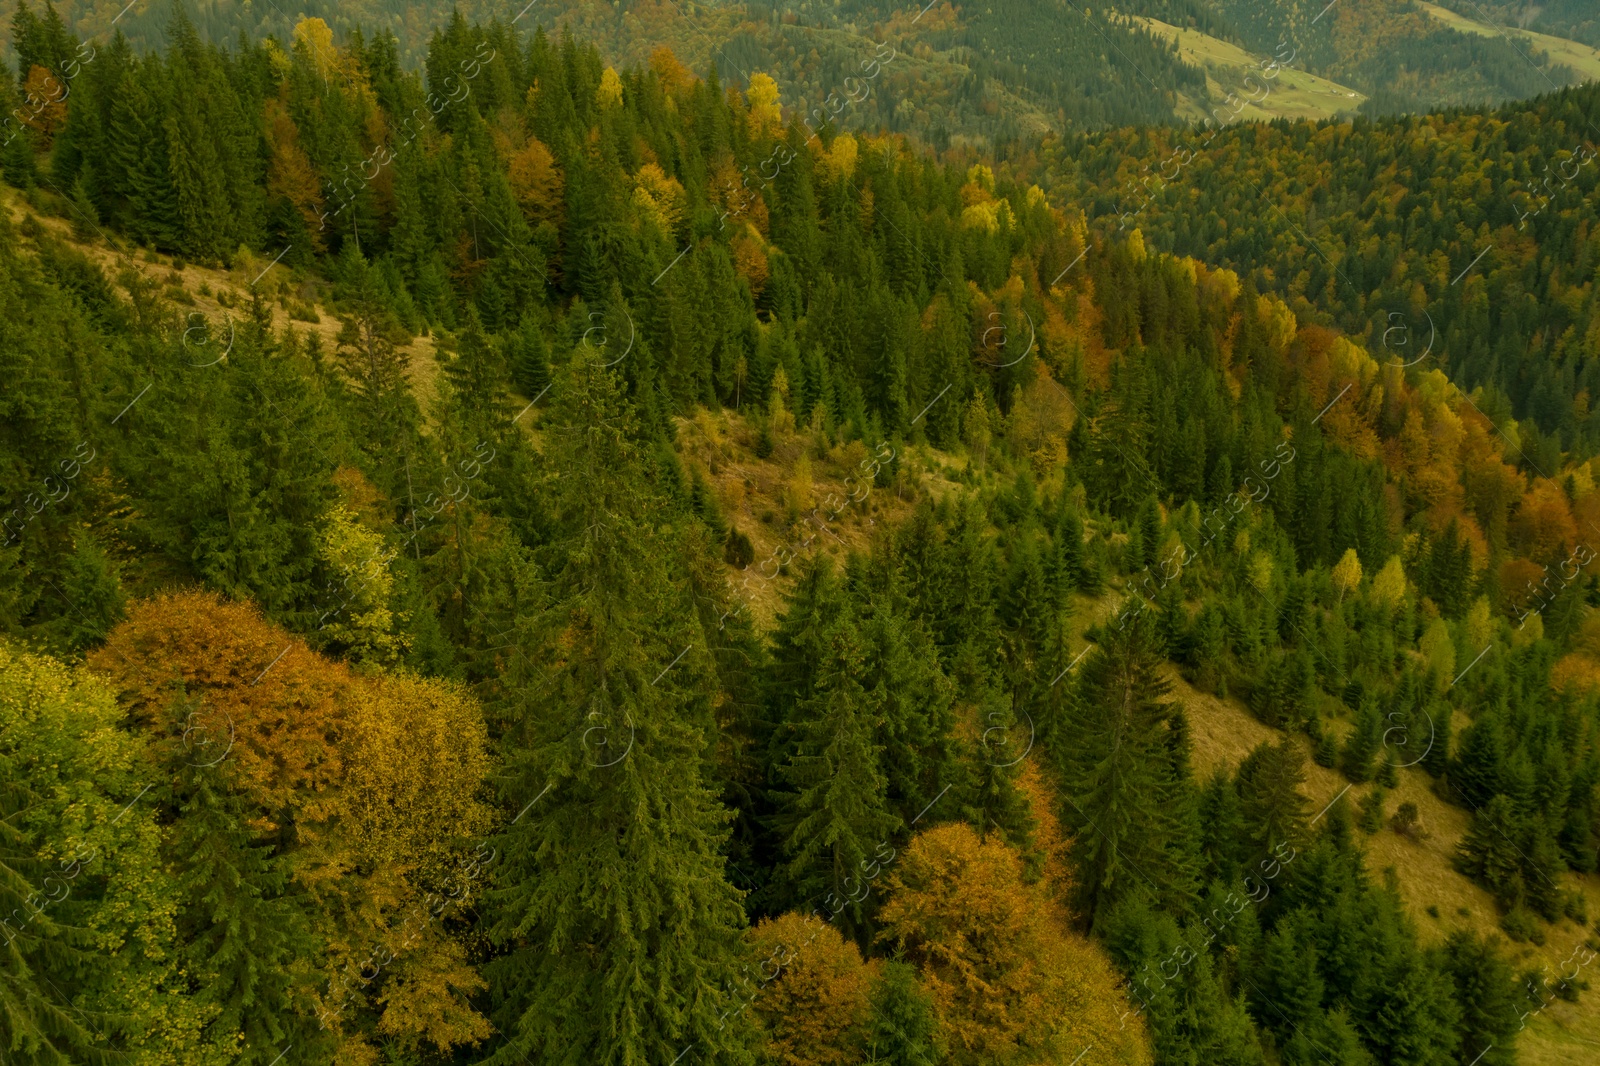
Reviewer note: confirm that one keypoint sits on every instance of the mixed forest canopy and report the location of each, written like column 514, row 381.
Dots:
column 1462, row 240
column 519, row 559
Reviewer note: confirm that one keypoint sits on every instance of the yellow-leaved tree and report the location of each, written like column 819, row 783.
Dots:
column 314, row 36
column 838, row 161
column 537, row 182
column 609, row 94
column 367, row 791
column 1347, row 573
column 659, row 197
column 291, row 178
column 1010, row 982
column 766, row 117
column 812, row 992
column 356, row 616
column 87, row 898
column 1389, row 586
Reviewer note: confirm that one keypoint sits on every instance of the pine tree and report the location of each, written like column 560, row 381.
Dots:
column 903, row 676
column 1179, row 989
column 903, row 1028
column 1490, row 855
column 1072, row 563
column 242, row 933
column 617, row 930
column 1485, row 989
column 1370, row 810
column 991, row 799
column 1124, row 797
column 1271, row 805
column 1477, row 772
column 1542, row 867
column 837, row 813
column 530, row 358
column 1363, row 743
column 1118, row 472
column 1149, row 528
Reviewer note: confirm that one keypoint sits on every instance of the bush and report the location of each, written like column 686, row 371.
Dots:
column 737, row 551
column 1407, row 823
column 1521, row 926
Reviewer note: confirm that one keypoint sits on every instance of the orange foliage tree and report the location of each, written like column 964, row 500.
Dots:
column 46, row 106
column 369, row 786
column 1010, row 983
column 750, row 260
column 537, row 183
column 814, row 1011
column 290, row 175
column 1542, row 527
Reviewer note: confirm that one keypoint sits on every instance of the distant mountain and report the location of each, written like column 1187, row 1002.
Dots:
column 1578, row 20
column 1405, row 55
column 965, row 73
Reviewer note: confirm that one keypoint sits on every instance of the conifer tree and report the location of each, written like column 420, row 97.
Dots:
column 243, row 934
column 836, row 814
column 1489, row 852
column 530, row 358
column 1486, row 989
column 1124, row 797
column 902, row 674
column 616, row 929
column 1271, row 805
column 903, row 1030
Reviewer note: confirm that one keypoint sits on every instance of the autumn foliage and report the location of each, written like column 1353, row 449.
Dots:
column 369, row 785
column 814, row 1011
column 1010, row 983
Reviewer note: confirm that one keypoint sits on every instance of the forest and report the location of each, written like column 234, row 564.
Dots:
column 976, row 75
column 1466, row 235
column 413, row 650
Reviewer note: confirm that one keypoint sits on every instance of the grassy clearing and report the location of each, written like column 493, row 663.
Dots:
column 1580, row 57
column 196, row 292
column 1294, row 93
column 1438, row 899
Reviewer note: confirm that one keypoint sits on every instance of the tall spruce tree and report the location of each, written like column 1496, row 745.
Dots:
column 615, row 929
column 242, row 933
column 835, row 813
column 1125, row 795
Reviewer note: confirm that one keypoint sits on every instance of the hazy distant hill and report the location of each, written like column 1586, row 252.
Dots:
column 966, row 72
column 1400, row 55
